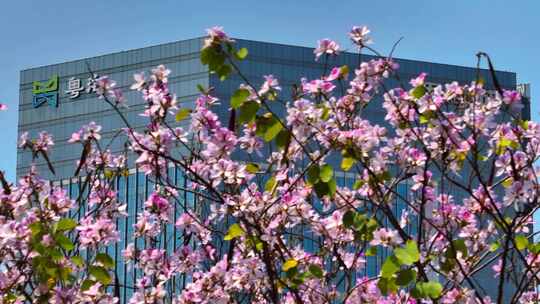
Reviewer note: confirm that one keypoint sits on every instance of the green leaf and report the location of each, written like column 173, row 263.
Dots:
column 534, row 248
column 429, row 289
column 248, row 110
column 344, row 70
column 255, row 242
column 282, row 139
column 348, row 218
column 77, row 260
column 524, row 124
column 371, row 251
column 326, row 173
column 52, row 271
column 105, row 260
column 316, row 271
column 55, row 254
column 252, row 168
column 216, row 60
column 494, row 246
column 481, row 157
column 297, row 280
column 10, row 297
column 358, row 184
column 239, row 97
column 507, row 183
column 409, row 254
column 101, row 274
column 385, row 176
column 64, row 242
column 459, row 245
column 433, row 289
column 182, row 114
column 313, row 174
column 108, row 174
column 65, row 224
column 405, row 277
column 325, row 113
column 505, row 142
column 347, row 163
column 86, row 284
column 229, row 47
column 273, row 129
column 234, row 231
column 65, row 273
column 390, row 267
column 201, row 88
column 206, row 55
column 291, row 273
column 424, row 119
column 290, row 263
column 270, row 184
column 521, row 242
column 387, row 285
column 241, row 54
column 322, row 188
column 35, row 228
column 332, row 187
column 224, row 71
column 418, row 92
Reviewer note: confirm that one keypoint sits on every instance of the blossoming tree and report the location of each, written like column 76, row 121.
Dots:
column 249, row 246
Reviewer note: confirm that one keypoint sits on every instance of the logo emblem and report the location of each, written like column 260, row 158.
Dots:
column 45, row 92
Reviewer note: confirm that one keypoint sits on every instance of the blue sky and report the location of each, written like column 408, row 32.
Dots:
column 36, row 33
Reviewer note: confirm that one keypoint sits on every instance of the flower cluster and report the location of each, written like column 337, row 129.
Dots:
column 287, row 208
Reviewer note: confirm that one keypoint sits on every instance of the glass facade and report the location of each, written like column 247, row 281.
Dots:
column 287, row 63
column 181, row 57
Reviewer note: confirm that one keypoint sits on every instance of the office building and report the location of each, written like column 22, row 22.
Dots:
column 54, row 98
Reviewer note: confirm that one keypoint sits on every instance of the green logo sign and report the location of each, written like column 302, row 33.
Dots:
column 45, row 92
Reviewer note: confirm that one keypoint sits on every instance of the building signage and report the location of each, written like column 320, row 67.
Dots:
column 75, row 86
column 524, row 89
column 45, row 92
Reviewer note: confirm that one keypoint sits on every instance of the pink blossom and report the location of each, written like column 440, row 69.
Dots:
column 448, row 164
column 318, row 86
column 44, row 141
column 47, row 240
column 326, row 46
column 418, row 81
column 94, row 232
column 118, row 96
column 513, row 99
column 270, row 84
column 497, row 268
column 24, row 140
column 335, row 73
column 385, row 237
column 359, row 36
column 216, row 36
column 160, row 73
column 140, row 81
column 250, row 141
column 87, row 132
column 160, row 205
column 104, row 86
column 148, row 224
column 59, row 201
column 129, row 253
